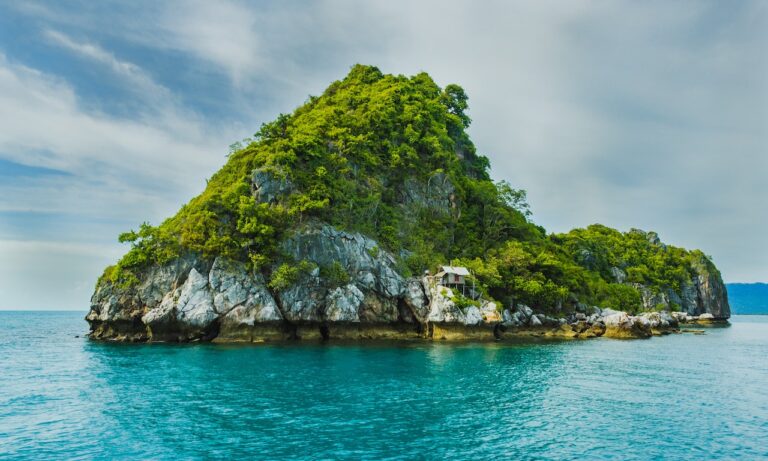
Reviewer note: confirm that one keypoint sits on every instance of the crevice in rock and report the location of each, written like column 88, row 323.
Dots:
column 288, row 326
column 325, row 331
column 498, row 331
column 212, row 331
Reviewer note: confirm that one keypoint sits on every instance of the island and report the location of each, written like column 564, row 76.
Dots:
column 368, row 213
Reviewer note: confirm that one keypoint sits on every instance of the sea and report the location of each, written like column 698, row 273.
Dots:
column 682, row 396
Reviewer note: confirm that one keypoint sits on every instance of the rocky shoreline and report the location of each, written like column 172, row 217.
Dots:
column 194, row 299
column 521, row 324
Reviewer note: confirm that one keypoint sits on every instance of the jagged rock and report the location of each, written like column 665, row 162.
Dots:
column 473, row 316
column 437, row 193
column 535, row 322
column 712, row 295
column 343, row 303
column 195, row 304
column 660, row 321
column 706, row 317
column 526, row 311
column 688, row 297
column 608, row 311
column 367, row 265
column 230, row 282
column 618, row 275
column 563, row 331
column 416, row 298
column 377, row 308
column 269, row 186
column 621, row 325
column 111, row 303
column 442, row 307
column 595, row 330
column 305, row 299
column 241, row 297
column 164, row 314
column 490, row 312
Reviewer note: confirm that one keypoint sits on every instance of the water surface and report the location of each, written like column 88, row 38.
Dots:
column 675, row 397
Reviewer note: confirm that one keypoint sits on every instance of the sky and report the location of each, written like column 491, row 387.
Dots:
column 651, row 114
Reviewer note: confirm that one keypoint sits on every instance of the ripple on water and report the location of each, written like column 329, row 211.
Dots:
column 674, row 397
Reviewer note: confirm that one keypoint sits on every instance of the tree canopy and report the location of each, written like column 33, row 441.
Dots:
column 389, row 156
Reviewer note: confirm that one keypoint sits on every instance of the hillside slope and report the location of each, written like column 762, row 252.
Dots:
column 332, row 214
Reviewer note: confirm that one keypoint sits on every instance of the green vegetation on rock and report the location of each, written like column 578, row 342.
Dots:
column 388, row 156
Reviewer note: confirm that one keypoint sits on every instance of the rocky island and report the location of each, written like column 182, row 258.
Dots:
column 331, row 221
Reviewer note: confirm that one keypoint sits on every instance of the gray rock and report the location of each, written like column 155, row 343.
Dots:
column 535, row 322
column 526, row 311
column 369, row 266
column 165, row 313
column 305, row 299
column 343, row 303
column 269, row 185
column 489, row 312
column 195, row 304
column 230, row 283
column 416, row 298
column 437, row 194
column 473, row 316
column 442, row 307
column 618, row 275
column 241, row 297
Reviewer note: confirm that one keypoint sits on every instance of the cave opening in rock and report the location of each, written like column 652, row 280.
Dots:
column 498, row 330
column 325, row 332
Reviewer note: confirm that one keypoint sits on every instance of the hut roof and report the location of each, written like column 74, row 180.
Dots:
column 456, row 270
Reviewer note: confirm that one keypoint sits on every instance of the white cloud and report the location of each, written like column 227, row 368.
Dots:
column 43, row 125
column 651, row 115
column 136, row 76
column 223, row 33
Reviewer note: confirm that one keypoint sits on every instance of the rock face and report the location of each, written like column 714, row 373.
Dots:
column 269, row 186
column 705, row 293
column 198, row 303
column 194, row 299
column 191, row 299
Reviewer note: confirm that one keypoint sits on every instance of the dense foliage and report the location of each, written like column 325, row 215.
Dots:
column 389, row 156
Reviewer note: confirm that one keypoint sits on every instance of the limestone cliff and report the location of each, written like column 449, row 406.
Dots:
column 323, row 225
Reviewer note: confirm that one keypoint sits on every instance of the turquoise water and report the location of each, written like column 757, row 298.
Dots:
column 675, row 397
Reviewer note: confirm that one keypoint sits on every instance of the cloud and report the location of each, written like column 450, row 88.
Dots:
column 123, row 170
column 135, row 75
column 651, row 114
column 44, row 125
column 223, row 33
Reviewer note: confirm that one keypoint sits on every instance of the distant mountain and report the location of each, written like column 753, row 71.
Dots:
column 748, row 298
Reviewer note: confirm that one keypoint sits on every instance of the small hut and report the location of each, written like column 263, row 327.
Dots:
column 452, row 276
